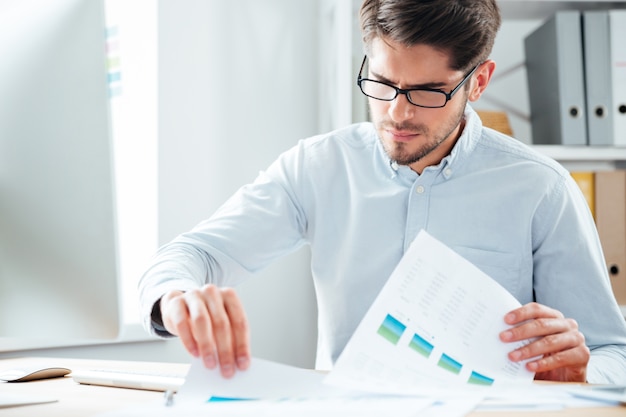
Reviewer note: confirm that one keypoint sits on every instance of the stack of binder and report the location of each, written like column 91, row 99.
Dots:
column 576, row 70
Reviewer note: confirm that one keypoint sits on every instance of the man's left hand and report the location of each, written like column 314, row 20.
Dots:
column 556, row 346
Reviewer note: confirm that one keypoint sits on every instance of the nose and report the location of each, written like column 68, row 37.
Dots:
column 400, row 109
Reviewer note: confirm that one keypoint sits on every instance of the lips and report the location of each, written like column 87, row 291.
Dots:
column 401, row 135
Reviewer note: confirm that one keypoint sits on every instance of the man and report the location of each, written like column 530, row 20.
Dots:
column 359, row 196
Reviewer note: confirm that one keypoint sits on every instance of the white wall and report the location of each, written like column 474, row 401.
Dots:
column 508, row 89
column 238, row 85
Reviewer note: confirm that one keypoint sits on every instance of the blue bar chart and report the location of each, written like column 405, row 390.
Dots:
column 392, row 329
column 478, row 379
column 421, row 346
column 446, row 362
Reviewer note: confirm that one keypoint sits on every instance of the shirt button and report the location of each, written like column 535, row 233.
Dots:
column 419, row 189
column 448, row 172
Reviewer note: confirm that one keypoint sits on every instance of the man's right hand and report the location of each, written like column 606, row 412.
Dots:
column 212, row 325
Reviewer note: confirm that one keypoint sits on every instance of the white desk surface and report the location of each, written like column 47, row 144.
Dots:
column 76, row 400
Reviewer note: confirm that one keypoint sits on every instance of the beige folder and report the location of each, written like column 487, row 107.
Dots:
column 610, row 199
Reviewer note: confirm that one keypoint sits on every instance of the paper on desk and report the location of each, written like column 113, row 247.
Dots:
column 287, row 388
column 274, row 390
column 434, row 325
column 262, row 380
column 269, row 381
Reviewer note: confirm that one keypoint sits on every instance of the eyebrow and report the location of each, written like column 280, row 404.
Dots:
column 432, row 85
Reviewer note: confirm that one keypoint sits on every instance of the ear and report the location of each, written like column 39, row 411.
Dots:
column 482, row 76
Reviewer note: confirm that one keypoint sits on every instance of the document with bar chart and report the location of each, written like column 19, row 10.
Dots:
column 435, row 324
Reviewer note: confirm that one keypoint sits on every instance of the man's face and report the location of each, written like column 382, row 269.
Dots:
column 412, row 135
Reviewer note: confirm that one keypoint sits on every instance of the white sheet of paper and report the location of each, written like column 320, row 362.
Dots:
column 262, row 380
column 435, row 324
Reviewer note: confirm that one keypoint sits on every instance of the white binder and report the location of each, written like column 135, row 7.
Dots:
column 617, row 25
column 597, row 53
column 556, row 86
column 604, row 34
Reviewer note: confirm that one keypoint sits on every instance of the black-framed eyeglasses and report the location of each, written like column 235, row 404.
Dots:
column 431, row 98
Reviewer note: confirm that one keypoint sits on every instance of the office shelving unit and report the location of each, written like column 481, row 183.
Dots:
column 582, row 157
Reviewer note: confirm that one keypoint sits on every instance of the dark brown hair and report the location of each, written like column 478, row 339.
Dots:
column 464, row 29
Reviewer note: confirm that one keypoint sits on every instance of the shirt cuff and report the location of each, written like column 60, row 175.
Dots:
column 156, row 321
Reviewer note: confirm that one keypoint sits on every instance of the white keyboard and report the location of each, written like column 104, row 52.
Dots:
column 146, row 380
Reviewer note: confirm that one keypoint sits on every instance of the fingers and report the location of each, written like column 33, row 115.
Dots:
column 531, row 311
column 559, row 344
column 538, row 328
column 556, row 348
column 211, row 324
column 562, row 362
column 240, row 329
column 222, row 335
column 205, row 313
column 568, row 365
column 176, row 319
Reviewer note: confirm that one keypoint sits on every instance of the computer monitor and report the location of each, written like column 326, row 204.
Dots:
column 58, row 250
